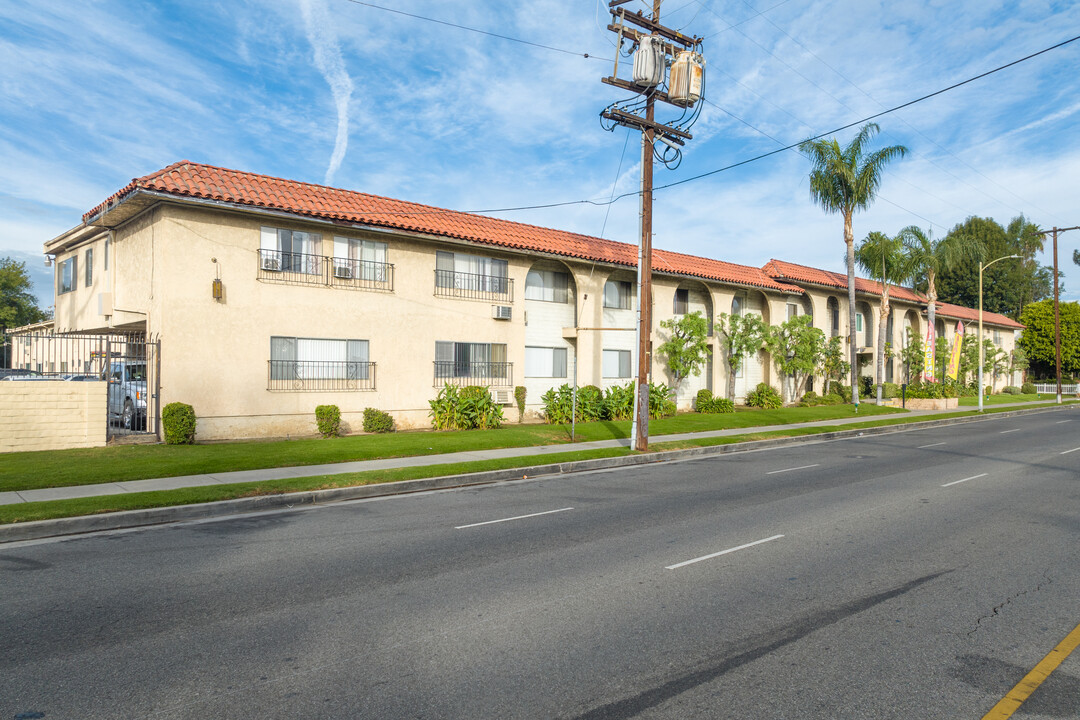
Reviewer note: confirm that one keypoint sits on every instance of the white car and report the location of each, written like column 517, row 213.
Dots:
column 127, row 393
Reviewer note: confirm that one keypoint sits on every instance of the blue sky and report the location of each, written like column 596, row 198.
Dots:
column 95, row 93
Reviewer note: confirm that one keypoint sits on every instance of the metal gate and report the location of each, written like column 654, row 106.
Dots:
column 129, row 362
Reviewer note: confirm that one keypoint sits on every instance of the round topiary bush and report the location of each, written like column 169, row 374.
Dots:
column 178, row 421
column 377, row 421
column 764, row 396
column 1028, row 388
column 328, row 419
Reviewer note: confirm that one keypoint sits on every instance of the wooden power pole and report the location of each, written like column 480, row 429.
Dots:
column 634, row 27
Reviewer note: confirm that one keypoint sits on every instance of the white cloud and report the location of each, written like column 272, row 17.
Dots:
column 328, row 60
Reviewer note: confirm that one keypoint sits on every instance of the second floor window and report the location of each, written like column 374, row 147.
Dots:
column 475, row 273
column 66, row 275
column 89, row 266
column 547, row 285
column 617, row 294
column 361, row 259
column 682, row 301
column 290, row 251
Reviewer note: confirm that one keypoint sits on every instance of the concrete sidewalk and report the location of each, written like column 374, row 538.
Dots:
column 537, row 451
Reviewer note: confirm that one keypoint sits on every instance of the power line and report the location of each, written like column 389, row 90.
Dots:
column 796, row 144
column 476, row 30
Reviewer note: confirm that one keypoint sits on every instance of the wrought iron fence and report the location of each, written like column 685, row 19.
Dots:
column 129, row 362
column 320, row 375
column 302, row 269
column 499, row 374
column 473, row 286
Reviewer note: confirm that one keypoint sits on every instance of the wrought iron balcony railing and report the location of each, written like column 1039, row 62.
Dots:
column 496, row 374
column 320, row 375
column 302, row 269
column 473, row 286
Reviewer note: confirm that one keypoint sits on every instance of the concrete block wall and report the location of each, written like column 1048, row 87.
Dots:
column 52, row 415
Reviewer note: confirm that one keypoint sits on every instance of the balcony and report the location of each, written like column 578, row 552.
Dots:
column 449, row 283
column 494, row 374
column 319, row 376
column 290, row 268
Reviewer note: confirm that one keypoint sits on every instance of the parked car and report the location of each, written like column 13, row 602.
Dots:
column 18, row 374
column 127, row 393
column 81, row 378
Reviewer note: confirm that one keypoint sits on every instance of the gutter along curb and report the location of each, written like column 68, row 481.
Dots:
column 38, row 529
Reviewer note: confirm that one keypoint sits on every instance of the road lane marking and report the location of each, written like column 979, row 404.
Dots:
column 1008, row 431
column 957, row 482
column 1031, row 682
column 722, row 552
column 801, row 467
column 518, row 517
column 1062, row 421
column 1069, row 451
column 923, row 447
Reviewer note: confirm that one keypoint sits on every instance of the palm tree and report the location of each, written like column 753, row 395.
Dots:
column 883, row 258
column 842, row 181
column 928, row 257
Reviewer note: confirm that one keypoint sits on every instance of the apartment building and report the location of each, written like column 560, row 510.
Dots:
column 271, row 296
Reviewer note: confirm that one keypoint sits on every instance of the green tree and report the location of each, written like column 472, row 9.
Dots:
column 1037, row 341
column 687, row 347
column 885, row 260
column 740, row 337
column 1018, row 361
column 928, row 257
column 843, row 180
column 796, row 347
column 912, row 357
column 18, row 306
column 833, row 364
column 1007, row 286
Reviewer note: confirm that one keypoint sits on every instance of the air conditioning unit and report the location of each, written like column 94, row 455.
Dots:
column 343, row 271
column 502, row 312
column 502, row 397
column 271, row 263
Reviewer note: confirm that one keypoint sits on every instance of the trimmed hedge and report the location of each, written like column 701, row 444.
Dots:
column 377, row 421
column 178, row 421
column 328, row 420
column 705, row 402
column 764, row 396
column 1028, row 388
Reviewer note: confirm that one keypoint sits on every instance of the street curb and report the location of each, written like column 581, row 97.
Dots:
column 39, row 529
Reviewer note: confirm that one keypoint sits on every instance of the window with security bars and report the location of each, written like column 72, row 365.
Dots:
column 320, row 364
column 477, row 363
column 360, row 260
column 290, row 251
column 475, row 276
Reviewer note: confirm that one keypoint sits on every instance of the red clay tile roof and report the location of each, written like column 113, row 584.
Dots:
column 959, row 312
column 801, row 273
column 188, row 179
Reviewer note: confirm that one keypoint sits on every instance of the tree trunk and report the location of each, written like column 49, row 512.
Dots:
column 731, row 382
column 849, row 240
column 931, row 295
column 882, row 326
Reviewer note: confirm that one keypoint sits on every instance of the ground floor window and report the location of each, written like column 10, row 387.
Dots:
column 483, row 363
column 298, row 363
column 545, row 362
column 616, row 364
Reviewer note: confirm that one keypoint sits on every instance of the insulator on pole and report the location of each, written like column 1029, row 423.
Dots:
column 687, row 78
column 649, row 62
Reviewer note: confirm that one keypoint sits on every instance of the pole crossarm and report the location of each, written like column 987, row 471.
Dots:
column 630, row 120
column 649, row 92
column 653, row 27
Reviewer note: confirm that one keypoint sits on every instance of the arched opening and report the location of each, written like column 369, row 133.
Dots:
column 690, row 297
column 550, row 305
column 755, row 369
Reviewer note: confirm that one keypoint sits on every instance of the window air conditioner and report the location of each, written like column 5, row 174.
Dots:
column 271, row 263
column 501, row 312
column 502, row 397
column 343, row 271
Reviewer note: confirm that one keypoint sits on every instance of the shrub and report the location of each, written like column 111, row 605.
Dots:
column 178, row 421
column 989, row 389
column 832, row 399
column 1028, row 388
column 328, row 419
column 838, row 388
column 764, row 396
column 866, row 386
column 716, row 405
column 1010, row 390
column 660, row 401
column 890, row 390
column 468, row 408
column 377, row 421
column 519, row 398
column 619, row 402
column 590, row 403
column 703, row 398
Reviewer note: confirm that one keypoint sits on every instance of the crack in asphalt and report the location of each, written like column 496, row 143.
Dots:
column 761, row 646
column 1047, row 580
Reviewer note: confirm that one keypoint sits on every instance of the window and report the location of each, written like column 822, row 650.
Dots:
column 470, row 275
column 360, row 259
column 89, row 266
column 66, row 274
column 616, row 364
column 476, row 361
column 547, row 285
column 682, row 301
column 545, row 362
column 105, row 256
column 736, row 306
column 320, row 364
column 290, row 251
column 997, row 338
column 617, row 294
column 792, row 311
column 834, row 313
column 858, row 322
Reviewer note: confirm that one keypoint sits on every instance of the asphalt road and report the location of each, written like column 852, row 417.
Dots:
column 919, row 574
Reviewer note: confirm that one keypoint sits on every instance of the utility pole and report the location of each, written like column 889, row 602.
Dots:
column 1057, row 311
column 686, row 88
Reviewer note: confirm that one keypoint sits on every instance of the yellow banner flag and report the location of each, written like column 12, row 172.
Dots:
column 928, row 357
column 954, row 359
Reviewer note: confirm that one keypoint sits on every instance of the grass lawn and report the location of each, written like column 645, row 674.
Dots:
column 61, row 468
column 25, row 512
column 1002, row 399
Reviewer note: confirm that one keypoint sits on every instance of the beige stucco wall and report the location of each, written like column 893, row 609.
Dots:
column 51, row 415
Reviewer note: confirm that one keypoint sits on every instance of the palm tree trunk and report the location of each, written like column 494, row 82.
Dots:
column 882, row 325
column 849, row 240
column 931, row 295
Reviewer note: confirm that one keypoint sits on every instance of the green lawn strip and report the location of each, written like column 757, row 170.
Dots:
column 1002, row 399
column 63, row 468
column 52, row 509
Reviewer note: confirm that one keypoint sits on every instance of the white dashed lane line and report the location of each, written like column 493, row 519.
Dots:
column 957, row 482
column 722, row 552
column 923, row 447
column 801, row 467
column 517, row 517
